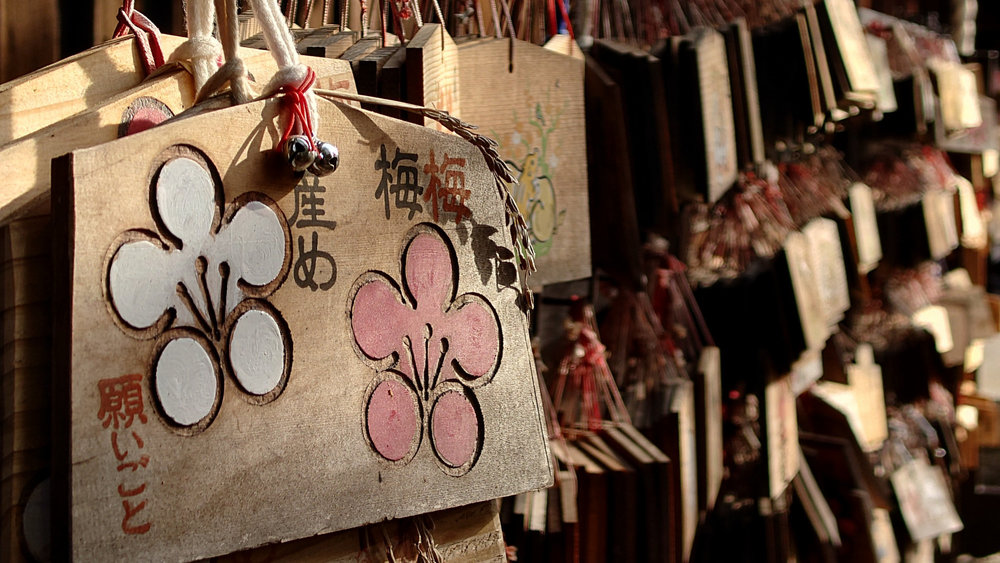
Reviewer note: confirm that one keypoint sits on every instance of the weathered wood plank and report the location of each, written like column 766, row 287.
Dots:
column 250, row 461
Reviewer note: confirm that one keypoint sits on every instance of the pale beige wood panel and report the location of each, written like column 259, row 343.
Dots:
column 25, row 162
column 536, row 113
column 83, row 81
column 301, row 464
column 27, row 245
column 71, row 85
column 468, row 534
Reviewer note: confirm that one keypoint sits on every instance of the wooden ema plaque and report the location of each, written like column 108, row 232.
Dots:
column 72, row 85
column 467, row 534
column 26, row 161
column 246, row 356
column 432, row 77
column 539, row 121
column 27, row 270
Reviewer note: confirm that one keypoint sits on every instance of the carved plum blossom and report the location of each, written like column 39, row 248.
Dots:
column 430, row 349
column 198, row 288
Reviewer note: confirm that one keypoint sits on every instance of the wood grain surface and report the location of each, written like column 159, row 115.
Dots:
column 301, row 461
column 27, row 329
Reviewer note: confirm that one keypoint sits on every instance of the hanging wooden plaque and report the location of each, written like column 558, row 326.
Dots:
column 247, row 356
column 865, row 378
column 865, row 227
column 745, row 95
column 71, row 85
column 539, row 123
column 806, row 291
column 25, row 163
column 824, row 76
column 467, row 534
column 826, row 259
column 782, row 436
column 716, row 129
column 942, row 227
column 708, row 390
column 925, row 500
column 856, row 69
column 432, row 77
column 27, row 330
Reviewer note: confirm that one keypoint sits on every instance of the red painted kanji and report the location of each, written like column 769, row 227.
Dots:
column 130, row 512
column 133, row 465
column 121, row 454
column 121, row 405
column 123, row 492
column 450, row 195
column 121, row 400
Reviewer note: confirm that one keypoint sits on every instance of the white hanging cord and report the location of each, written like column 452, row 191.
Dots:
column 437, row 10
column 365, row 9
column 326, row 11
column 201, row 48
column 282, row 46
column 233, row 71
column 417, row 14
column 309, row 11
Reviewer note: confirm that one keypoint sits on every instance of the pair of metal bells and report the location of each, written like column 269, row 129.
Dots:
column 320, row 161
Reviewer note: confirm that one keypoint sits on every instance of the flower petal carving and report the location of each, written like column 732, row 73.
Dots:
column 441, row 344
column 198, row 287
column 185, row 200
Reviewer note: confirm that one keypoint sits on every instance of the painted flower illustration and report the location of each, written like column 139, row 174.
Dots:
column 534, row 190
column 198, row 288
column 430, row 349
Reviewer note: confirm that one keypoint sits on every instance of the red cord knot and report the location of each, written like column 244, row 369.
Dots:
column 147, row 35
column 299, row 143
column 300, row 121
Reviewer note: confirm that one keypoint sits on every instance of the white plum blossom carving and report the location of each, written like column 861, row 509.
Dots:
column 198, row 287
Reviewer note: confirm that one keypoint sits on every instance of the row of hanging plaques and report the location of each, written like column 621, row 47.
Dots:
column 246, row 355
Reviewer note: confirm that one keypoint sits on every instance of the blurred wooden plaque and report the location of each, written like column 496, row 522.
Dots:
column 539, row 123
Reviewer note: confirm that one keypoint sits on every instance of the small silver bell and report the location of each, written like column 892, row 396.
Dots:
column 298, row 152
column 327, row 158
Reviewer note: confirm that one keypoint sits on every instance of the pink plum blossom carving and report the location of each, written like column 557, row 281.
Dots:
column 430, row 349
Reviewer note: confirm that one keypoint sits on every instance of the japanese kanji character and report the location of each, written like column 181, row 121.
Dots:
column 382, row 191
column 455, row 193
column 131, row 511
column 305, row 265
column 123, row 492
column 446, row 196
column 133, row 465
column 121, row 400
column 406, row 188
column 310, row 205
column 119, row 454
